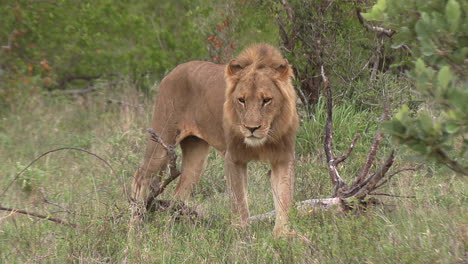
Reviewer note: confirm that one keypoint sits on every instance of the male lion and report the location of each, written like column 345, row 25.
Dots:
column 246, row 110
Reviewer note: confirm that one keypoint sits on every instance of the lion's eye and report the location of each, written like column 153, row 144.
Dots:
column 241, row 100
column 266, row 101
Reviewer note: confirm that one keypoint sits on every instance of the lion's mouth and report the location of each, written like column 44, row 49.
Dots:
column 254, row 141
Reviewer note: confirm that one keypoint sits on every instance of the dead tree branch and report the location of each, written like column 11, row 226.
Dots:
column 305, row 207
column 288, row 39
column 46, row 217
column 397, row 172
column 334, row 175
column 364, row 184
column 348, row 152
column 174, row 173
column 387, row 32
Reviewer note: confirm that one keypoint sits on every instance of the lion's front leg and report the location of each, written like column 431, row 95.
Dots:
column 236, row 179
column 282, row 183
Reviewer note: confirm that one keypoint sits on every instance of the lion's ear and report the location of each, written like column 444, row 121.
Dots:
column 233, row 68
column 284, row 70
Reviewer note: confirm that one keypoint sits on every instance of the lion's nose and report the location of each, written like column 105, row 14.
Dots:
column 252, row 129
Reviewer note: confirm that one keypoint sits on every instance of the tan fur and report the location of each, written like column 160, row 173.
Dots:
column 245, row 110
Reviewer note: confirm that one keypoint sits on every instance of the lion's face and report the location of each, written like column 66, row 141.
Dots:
column 256, row 101
column 260, row 100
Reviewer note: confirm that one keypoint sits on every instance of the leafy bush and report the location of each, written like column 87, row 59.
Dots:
column 436, row 32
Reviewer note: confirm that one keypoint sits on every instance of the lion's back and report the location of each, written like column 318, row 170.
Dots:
column 190, row 99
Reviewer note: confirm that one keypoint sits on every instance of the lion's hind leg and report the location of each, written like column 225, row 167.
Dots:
column 194, row 154
column 148, row 177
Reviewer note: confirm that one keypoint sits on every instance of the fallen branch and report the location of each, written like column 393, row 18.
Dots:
column 305, row 207
column 46, row 217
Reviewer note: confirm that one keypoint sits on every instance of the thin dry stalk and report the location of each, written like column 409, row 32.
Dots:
column 46, row 217
column 60, row 149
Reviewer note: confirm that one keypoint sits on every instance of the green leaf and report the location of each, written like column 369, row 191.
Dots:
column 453, row 13
column 426, row 124
column 374, row 14
column 452, row 127
column 402, row 113
column 444, row 77
column 420, row 66
column 381, row 4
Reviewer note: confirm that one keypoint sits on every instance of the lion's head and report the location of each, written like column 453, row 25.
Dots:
column 260, row 99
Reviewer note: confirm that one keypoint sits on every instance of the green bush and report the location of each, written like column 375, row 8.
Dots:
column 436, row 32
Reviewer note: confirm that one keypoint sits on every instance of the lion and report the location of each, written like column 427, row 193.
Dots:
column 245, row 110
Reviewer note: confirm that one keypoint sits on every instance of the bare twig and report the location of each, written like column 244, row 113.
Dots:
column 44, row 198
column 288, row 9
column 393, row 195
column 80, row 92
column 348, row 152
column 372, row 181
column 59, row 149
column 387, row 32
column 288, row 39
column 174, row 172
column 397, row 172
column 169, row 148
column 373, row 151
column 46, row 217
column 370, row 158
column 452, row 164
column 334, row 175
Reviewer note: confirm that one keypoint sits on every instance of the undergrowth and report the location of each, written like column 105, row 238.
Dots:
column 430, row 228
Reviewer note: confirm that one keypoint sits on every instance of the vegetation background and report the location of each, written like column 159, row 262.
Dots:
column 84, row 74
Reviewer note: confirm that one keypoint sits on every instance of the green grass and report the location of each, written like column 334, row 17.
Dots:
column 432, row 228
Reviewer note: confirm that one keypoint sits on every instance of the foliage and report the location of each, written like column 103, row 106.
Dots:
column 315, row 33
column 436, row 31
column 51, row 41
column 30, row 179
column 62, row 38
